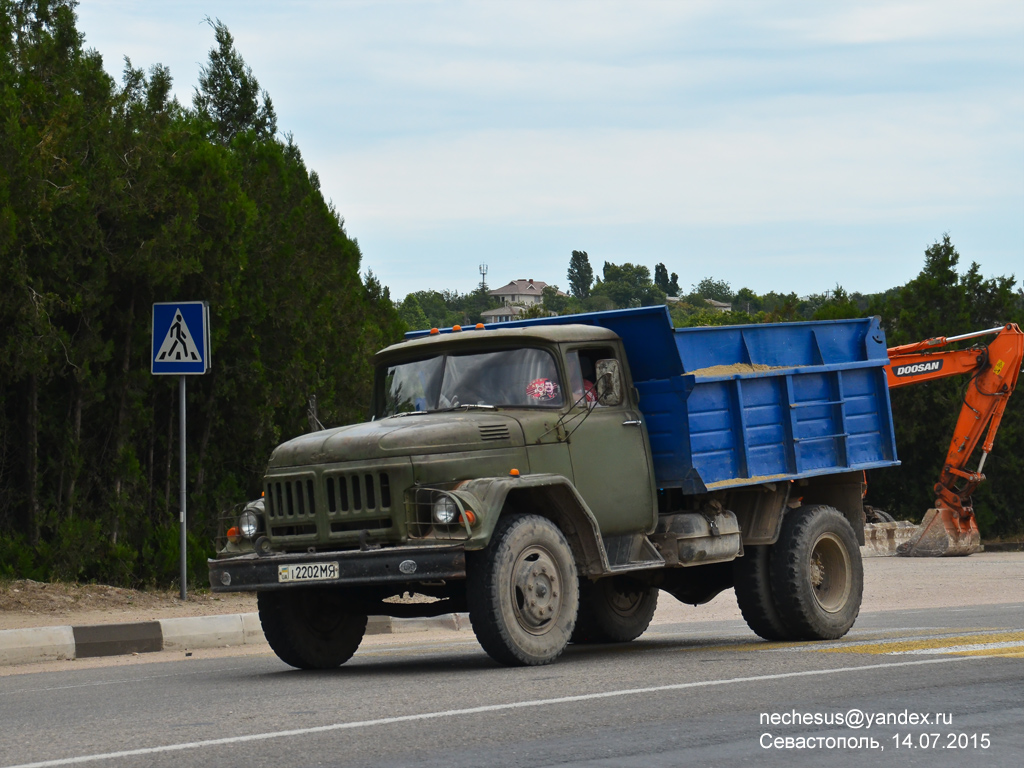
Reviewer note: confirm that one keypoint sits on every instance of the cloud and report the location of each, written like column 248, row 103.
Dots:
column 885, row 21
column 641, row 128
column 828, row 161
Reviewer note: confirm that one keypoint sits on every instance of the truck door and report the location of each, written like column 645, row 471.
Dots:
column 608, row 448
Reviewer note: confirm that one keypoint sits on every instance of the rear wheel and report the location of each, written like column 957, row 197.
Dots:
column 614, row 610
column 310, row 628
column 522, row 592
column 817, row 574
column 873, row 515
column 752, row 577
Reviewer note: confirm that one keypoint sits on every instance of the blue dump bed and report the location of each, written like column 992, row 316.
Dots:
column 743, row 404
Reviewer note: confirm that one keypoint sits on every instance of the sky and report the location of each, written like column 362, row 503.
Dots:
column 779, row 146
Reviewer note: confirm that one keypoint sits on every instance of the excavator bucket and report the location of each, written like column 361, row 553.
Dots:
column 942, row 534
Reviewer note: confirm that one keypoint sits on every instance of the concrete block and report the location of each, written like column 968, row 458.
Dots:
column 252, row 630
column 25, row 646
column 117, row 639
column 882, row 539
column 202, row 632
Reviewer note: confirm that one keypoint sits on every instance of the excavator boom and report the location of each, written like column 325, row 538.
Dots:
column 994, row 370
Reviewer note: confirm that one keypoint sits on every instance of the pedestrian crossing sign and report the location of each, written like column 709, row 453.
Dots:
column 181, row 338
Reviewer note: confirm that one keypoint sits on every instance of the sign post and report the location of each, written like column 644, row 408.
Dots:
column 181, row 347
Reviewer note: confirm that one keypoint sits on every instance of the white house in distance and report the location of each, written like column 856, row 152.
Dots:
column 516, row 297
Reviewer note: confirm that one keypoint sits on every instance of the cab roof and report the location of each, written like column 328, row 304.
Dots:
column 472, row 337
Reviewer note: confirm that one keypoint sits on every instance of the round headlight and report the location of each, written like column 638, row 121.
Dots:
column 248, row 524
column 446, row 511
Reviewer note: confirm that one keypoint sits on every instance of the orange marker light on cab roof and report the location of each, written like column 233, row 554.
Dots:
column 514, row 472
column 456, row 328
column 434, row 331
column 479, row 326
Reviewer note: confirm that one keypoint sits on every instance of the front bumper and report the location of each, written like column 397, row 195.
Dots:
column 399, row 565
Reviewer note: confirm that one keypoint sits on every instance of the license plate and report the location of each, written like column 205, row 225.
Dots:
column 307, row 572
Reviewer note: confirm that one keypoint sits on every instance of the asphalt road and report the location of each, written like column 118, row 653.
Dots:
column 683, row 694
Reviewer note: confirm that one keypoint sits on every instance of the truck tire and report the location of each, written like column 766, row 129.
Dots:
column 310, row 628
column 752, row 577
column 873, row 515
column 522, row 592
column 817, row 574
column 614, row 610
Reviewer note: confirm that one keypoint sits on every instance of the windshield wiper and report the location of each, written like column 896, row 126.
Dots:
column 408, row 413
column 466, row 407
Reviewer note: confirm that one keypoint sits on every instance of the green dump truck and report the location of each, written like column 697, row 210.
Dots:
column 552, row 476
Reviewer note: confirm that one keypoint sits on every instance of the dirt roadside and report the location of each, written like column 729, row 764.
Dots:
column 26, row 603
column 891, row 583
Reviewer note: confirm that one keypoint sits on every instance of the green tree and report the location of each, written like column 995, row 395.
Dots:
column 709, row 288
column 229, row 95
column 113, row 197
column 474, row 304
column 748, row 301
column 673, row 285
column 661, row 277
column 553, row 302
column 412, row 313
column 836, row 305
column 668, row 285
column 780, row 308
column 580, row 275
column 629, row 285
column 534, row 310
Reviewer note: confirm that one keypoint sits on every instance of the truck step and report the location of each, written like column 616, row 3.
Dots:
column 631, row 552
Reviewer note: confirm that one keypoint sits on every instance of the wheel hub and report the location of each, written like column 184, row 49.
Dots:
column 830, row 573
column 624, row 600
column 536, row 590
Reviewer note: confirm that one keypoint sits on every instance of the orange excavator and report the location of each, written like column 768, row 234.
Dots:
column 950, row 528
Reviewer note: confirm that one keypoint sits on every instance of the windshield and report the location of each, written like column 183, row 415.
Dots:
column 514, row 377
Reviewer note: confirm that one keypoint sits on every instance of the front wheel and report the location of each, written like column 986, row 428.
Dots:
column 522, row 592
column 310, row 628
column 817, row 574
column 616, row 609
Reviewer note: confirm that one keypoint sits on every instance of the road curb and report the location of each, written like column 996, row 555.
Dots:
column 1003, row 546
column 24, row 646
column 36, row 644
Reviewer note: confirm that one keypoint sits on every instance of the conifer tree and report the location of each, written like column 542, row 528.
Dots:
column 229, row 95
column 581, row 275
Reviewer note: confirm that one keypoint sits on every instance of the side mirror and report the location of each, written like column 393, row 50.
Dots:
column 609, row 383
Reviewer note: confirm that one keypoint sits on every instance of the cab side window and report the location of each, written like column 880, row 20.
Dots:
column 583, row 372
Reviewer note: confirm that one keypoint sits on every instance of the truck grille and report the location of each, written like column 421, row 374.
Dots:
column 340, row 502
column 291, row 506
column 358, row 492
column 291, row 498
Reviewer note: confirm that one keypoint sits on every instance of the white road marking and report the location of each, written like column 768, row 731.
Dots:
column 473, row 711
